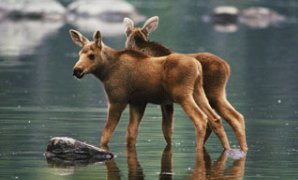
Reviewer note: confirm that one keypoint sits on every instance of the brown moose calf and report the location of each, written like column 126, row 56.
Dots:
column 216, row 73
column 132, row 78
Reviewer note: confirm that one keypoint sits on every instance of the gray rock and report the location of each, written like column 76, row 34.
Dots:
column 31, row 9
column 227, row 18
column 225, row 15
column 65, row 150
column 260, row 17
column 87, row 15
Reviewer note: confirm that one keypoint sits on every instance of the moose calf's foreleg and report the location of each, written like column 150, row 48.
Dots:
column 213, row 119
column 167, row 122
column 208, row 132
column 234, row 118
column 215, row 123
column 136, row 113
column 114, row 114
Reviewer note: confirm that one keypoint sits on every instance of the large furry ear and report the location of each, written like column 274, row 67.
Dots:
column 78, row 38
column 97, row 38
column 129, row 25
column 150, row 25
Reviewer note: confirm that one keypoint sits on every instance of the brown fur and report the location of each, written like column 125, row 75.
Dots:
column 216, row 73
column 149, row 47
column 133, row 79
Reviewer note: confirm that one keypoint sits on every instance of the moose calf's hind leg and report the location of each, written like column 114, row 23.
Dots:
column 167, row 122
column 198, row 118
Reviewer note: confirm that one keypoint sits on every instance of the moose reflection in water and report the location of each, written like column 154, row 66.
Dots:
column 204, row 167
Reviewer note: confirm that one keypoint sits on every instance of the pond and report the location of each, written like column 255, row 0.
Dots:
column 40, row 99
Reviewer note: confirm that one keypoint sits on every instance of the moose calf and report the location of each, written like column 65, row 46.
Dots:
column 216, row 73
column 135, row 79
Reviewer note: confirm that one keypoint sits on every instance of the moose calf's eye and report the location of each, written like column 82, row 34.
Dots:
column 91, row 56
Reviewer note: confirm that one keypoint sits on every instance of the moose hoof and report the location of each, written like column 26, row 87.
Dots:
column 235, row 154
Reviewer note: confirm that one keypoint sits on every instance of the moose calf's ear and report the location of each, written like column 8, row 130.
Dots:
column 150, row 25
column 78, row 38
column 97, row 38
column 129, row 25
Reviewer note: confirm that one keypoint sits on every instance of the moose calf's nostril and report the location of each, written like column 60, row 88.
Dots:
column 77, row 72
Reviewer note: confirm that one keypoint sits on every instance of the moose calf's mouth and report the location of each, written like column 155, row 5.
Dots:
column 78, row 73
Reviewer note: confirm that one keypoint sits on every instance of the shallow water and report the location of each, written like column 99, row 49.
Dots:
column 40, row 99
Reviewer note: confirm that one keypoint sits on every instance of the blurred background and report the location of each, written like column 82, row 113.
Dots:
column 40, row 99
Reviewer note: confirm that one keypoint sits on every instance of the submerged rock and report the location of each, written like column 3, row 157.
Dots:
column 68, row 151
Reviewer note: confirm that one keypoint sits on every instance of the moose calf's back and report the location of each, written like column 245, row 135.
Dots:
column 147, row 79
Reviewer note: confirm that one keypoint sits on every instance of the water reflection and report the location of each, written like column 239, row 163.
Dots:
column 204, row 168
column 135, row 170
column 113, row 172
column 64, row 167
column 166, row 162
column 24, row 26
column 60, row 163
column 22, row 37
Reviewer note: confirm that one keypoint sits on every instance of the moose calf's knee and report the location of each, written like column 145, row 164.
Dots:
column 217, row 122
column 241, row 122
column 201, row 128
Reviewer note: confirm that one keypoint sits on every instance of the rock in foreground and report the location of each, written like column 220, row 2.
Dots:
column 69, row 149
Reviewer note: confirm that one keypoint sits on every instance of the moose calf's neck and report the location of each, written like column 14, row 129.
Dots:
column 151, row 48
column 109, row 57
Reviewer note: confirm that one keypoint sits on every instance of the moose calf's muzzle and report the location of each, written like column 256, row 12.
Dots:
column 78, row 73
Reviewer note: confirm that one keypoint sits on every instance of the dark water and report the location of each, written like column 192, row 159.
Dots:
column 40, row 99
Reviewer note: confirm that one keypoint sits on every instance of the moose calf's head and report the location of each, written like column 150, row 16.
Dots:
column 137, row 35
column 90, row 54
